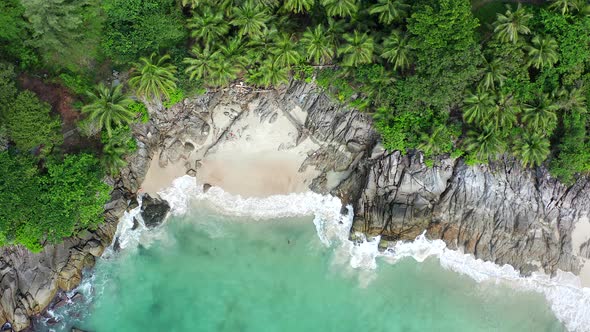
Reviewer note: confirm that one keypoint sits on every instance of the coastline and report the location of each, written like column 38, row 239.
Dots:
column 261, row 144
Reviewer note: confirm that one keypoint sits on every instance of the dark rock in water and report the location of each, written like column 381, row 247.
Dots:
column 191, row 172
column 116, row 245
column 344, row 210
column 78, row 297
column 206, row 187
column 6, row 327
column 132, row 204
column 153, row 210
column 135, row 224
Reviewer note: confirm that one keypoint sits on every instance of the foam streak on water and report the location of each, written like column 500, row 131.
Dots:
column 570, row 302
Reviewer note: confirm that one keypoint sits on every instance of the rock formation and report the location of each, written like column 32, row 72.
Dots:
column 500, row 212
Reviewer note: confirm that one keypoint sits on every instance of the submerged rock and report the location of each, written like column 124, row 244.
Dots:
column 153, row 210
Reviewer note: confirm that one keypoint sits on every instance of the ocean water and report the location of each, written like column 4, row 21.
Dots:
column 209, row 272
column 284, row 263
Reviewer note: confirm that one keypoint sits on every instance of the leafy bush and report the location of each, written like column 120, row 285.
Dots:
column 44, row 206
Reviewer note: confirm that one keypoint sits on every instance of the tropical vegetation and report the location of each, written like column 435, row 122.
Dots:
column 499, row 79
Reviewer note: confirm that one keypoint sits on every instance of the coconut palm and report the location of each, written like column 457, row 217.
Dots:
column 358, row 49
column 396, row 50
column 222, row 73
column 269, row 74
column 112, row 158
column 208, row 26
column 285, row 51
column 342, row 8
column 494, row 74
column 153, row 77
column 477, row 106
column 485, row 143
column 572, row 100
column 108, row 107
column 199, row 66
column 532, row 148
column 235, row 52
column 565, row 6
column 260, row 48
column 318, row 45
column 542, row 52
column 298, row 6
column 540, row 115
column 389, row 11
column 250, row 19
column 502, row 116
column 510, row 25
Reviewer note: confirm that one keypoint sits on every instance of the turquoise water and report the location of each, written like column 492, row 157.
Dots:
column 205, row 272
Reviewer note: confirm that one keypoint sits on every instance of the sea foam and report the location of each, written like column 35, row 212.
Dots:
column 569, row 302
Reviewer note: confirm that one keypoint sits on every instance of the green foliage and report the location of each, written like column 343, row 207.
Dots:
column 30, row 124
column 175, row 97
column 108, row 108
column 38, row 207
column 140, row 111
column 574, row 149
column 135, row 28
column 153, row 77
column 65, row 32
column 75, row 82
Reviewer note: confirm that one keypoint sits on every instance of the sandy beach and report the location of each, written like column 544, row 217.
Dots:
column 255, row 157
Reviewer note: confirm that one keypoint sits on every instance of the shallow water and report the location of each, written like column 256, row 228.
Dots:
column 207, row 272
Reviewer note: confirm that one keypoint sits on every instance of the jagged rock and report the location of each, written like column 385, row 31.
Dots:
column 206, row 187
column 153, row 210
column 133, row 203
column 135, row 224
column 191, row 172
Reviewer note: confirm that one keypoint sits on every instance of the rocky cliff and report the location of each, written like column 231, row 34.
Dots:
column 500, row 212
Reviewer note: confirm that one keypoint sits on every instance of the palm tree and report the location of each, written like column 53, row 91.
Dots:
column 389, row 11
column 199, row 66
column 540, row 115
column 153, row 77
column 542, row 52
column 572, row 100
column 502, row 116
column 484, row 144
column 397, row 51
column 112, row 158
column 222, row 72
column 251, row 19
column 478, row 106
column 565, row 6
column 234, row 52
column 358, row 49
column 340, row 8
column 285, row 51
column 269, row 74
column 317, row 45
column 108, row 107
column 208, row 26
column 298, row 6
column 532, row 149
column 494, row 73
column 260, row 48
column 510, row 25
column 335, row 29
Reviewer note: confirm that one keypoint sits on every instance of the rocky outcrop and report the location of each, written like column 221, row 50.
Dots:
column 501, row 212
column 153, row 210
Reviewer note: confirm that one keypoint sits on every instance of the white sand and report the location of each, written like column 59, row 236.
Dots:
column 255, row 158
column 158, row 178
column 581, row 234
